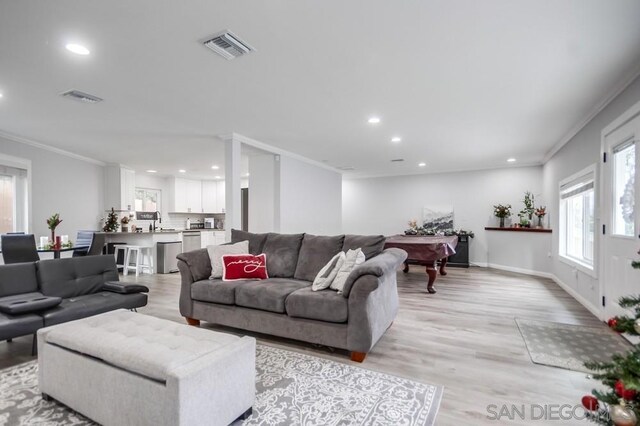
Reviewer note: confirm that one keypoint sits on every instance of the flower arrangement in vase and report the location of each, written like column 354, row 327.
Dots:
column 502, row 211
column 53, row 223
column 540, row 213
column 125, row 222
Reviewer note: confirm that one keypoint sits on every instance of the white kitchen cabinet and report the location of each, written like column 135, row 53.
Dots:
column 185, row 196
column 210, row 196
column 220, row 192
column 120, row 188
column 219, row 237
column 194, row 196
column 208, row 239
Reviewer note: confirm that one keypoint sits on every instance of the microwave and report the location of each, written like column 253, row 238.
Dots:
column 209, row 223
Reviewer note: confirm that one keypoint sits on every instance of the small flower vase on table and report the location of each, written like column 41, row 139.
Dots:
column 502, row 222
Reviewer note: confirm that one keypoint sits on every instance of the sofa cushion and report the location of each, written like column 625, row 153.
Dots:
column 92, row 304
column 256, row 241
column 76, row 276
column 371, row 245
column 19, row 325
column 315, row 252
column 216, row 291
column 268, row 295
column 282, row 254
column 18, row 278
column 324, row 305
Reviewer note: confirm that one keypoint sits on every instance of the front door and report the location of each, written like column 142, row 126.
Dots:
column 620, row 215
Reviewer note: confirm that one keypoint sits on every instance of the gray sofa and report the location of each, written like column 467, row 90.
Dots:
column 48, row 292
column 284, row 305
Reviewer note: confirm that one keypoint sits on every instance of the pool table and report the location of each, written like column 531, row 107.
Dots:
column 427, row 251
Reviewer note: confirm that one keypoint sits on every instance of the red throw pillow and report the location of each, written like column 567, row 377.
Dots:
column 244, row 267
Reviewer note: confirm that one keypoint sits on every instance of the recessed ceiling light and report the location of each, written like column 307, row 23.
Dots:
column 218, row 177
column 1, row 95
column 396, row 139
column 78, row 49
column 152, row 171
column 215, row 167
column 182, row 171
column 511, row 160
column 422, row 164
column 247, row 175
column 373, row 120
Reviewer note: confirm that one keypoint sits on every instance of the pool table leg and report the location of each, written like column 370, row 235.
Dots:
column 443, row 263
column 432, row 274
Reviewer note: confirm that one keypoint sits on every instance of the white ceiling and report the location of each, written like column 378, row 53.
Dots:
column 465, row 83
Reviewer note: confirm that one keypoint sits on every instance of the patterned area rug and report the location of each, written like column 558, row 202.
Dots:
column 292, row 389
column 569, row 346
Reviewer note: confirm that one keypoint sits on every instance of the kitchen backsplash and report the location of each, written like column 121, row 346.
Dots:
column 179, row 220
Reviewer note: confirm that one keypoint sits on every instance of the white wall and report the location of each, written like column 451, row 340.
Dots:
column 61, row 184
column 308, row 198
column 581, row 151
column 262, row 193
column 385, row 205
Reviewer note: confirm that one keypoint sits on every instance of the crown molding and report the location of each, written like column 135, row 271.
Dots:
column 439, row 172
column 22, row 140
column 617, row 89
column 273, row 150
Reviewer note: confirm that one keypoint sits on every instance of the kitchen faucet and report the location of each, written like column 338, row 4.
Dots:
column 158, row 216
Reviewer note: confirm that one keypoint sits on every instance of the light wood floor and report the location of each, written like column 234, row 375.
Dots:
column 464, row 338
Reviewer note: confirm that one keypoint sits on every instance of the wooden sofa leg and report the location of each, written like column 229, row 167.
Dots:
column 192, row 321
column 358, row 356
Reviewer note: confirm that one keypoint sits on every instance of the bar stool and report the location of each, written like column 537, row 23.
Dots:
column 137, row 254
column 125, row 253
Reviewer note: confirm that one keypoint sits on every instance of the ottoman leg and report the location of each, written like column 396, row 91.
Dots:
column 246, row 414
column 34, row 345
column 46, row 397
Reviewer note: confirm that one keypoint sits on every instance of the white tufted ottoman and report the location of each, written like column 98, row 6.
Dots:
column 125, row 368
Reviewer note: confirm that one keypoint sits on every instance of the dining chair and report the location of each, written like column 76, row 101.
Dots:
column 89, row 243
column 96, row 247
column 18, row 248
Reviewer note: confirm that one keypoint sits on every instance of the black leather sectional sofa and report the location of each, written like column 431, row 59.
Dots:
column 48, row 292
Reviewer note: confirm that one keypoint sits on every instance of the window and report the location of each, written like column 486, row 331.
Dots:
column 147, row 200
column 13, row 199
column 624, row 171
column 577, row 218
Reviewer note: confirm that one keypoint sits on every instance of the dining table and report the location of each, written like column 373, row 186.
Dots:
column 57, row 252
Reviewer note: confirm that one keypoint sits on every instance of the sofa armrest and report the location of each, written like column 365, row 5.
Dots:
column 186, row 279
column 124, row 288
column 198, row 262
column 385, row 263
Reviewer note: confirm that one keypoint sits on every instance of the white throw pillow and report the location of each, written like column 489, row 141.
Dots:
column 352, row 259
column 216, row 253
column 328, row 272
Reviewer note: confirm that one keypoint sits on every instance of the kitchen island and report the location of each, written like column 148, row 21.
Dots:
column 152, row 238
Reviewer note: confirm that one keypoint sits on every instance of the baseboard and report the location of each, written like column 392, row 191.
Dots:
column 584, row 302
column 517, row 270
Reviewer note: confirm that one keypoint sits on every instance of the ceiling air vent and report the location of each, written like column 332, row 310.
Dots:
column 346, row 168
column 82, row 97
column 397, row 160
column 227, row 45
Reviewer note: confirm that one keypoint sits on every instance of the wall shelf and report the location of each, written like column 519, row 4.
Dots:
column 509, row 229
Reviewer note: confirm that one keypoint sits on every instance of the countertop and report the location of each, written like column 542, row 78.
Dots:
column 167, row 231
